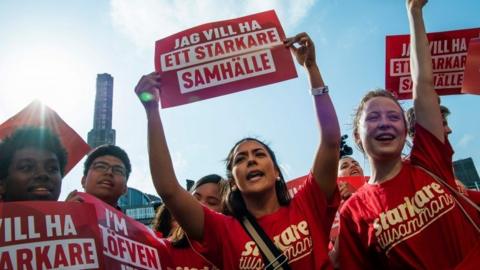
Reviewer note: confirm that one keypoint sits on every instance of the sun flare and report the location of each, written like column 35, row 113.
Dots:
column 55, row 75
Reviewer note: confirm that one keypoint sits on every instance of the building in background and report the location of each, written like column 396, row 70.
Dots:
column 102, row 132
column 466, row 172
column 138, row 205
column 142, row 206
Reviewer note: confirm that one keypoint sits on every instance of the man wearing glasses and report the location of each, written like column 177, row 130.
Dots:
column 106, row 172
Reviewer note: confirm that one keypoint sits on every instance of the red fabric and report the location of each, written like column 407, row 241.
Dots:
column 39, row 115
column 409, row 221
column 187, row 259
column 127, row 243
column 470, row 262
column 335, row 228
column 357, row 182
column 474, row 196
column 302, row 228
column 471, row 82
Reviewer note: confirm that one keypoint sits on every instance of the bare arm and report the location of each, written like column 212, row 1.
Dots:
column 425, row 99
column 184, row 207
column 325, row 164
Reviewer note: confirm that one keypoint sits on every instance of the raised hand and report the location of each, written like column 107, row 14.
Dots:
column 305, row 52
column 148, row 90
column 415, row 4
column 346, row 190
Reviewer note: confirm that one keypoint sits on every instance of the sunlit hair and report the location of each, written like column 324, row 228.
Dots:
column 34, row 137
column 234, row 202
column 108, row 150
column 211, row 178
column 370, row 95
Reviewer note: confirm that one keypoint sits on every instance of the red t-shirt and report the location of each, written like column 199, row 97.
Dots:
column 474, row 196
column 409, row 221
column 300, row 230
column 187, row 259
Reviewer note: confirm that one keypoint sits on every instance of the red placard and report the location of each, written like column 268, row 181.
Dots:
column 449, row 54
column 37, row 114
column 471, row 84
column 127, row 243
column 295, row 184
column 49, row 235
column 222, row 57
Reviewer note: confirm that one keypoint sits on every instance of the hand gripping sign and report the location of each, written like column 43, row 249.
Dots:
column 449, row 55
column 49, row 235
column 222, row 57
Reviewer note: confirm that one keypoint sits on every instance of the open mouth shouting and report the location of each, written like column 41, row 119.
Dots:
column 354, row 172
column 254, row 175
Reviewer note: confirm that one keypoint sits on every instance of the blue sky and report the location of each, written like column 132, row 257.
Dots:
column 52, row 50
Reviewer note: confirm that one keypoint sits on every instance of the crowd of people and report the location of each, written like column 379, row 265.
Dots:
column 407, row 215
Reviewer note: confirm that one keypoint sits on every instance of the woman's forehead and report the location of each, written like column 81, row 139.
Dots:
column 381, row 104
column 346, row 159
column 248, row 145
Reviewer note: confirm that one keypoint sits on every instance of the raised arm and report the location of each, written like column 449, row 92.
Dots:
column 325, row 164
column 425, row 100
column 183, row 206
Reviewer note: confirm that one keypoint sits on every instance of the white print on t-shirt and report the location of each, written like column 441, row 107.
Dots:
column 409, row 218
column 295, row 242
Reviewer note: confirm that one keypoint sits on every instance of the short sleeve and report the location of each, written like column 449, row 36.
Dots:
column 313, row 201
column 432, row 154
column 211, row 245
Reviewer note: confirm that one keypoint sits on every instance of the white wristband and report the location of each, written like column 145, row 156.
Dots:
column 318, row 91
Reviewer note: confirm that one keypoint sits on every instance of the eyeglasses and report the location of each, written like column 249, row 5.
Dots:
column 104, row 167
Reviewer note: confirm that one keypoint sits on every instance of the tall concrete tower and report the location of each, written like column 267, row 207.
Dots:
column 102, row 131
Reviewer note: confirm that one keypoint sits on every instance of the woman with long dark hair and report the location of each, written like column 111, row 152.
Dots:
column 298, row 227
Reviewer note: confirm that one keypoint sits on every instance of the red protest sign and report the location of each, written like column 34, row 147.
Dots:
column 49, row 235
column 471, row 84
column 356, row 181
column 449, row 54
column 294, row 185
column 37, row 114
column 222, row 57
column 127, row 243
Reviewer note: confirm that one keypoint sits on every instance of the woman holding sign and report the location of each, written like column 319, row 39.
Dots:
column 268, row 229
column 407, row 217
